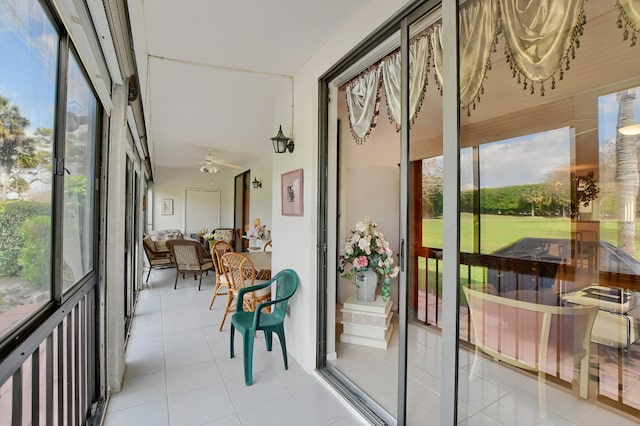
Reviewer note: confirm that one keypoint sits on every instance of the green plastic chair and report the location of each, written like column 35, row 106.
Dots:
column 248, row 323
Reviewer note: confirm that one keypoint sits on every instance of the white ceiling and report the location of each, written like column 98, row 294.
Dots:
column 210, row 71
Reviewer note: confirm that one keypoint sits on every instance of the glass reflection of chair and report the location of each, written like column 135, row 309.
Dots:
column 247, row 323
column 532, row 336
column 190, row 258
column 217, row 250
column 241, row 273
column 268, row 246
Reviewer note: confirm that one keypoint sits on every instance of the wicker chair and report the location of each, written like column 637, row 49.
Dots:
column 217, row 250
column 190, row 258
column 240, row 273
column 157, row 258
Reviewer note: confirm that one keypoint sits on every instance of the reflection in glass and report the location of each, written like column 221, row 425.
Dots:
column 78, row 180
column 557, row 210
column 27, row 99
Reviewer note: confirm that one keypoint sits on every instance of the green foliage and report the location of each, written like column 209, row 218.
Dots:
column 518, row 200
column 35, row 256
column 12, row 216
column 23, row 158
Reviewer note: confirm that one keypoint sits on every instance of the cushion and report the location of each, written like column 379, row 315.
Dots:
column 151, row 245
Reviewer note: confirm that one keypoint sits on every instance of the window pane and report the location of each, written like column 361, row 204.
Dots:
column 525, row 189
column 27, row 104
column 78, row 182
column 558, row 209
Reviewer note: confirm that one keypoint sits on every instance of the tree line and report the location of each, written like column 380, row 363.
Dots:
column 542, row 199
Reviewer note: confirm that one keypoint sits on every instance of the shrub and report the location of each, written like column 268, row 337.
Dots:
column 12, row 216
column 35, row 256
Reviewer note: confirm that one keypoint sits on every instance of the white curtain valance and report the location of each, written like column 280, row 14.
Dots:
column 419, row 61
column 540, row 38
column 363, row 102
column 629, row 19
column 478, row 35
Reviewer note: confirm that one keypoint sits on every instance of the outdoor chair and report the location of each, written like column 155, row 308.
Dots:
column 247, row 323
column 157, row 259
column 190, row 258
column 217, row 250
column 539, row 338
column 241, row 273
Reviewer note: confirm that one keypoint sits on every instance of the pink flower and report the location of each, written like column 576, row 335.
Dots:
column 361, row 262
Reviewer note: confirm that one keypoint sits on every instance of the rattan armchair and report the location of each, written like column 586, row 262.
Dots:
column 217, row 250
column 190, row 258
column 240, row 273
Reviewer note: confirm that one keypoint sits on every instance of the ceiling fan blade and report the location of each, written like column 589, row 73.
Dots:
column 226, row 164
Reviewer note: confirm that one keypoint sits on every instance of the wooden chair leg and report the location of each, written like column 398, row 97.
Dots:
column 175, row 283
column 213, row 299
column 226, row 311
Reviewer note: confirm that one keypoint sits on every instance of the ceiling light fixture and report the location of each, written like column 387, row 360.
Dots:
column 631, row 130
column 209, row 169
column 281, row 143
column 256, row 183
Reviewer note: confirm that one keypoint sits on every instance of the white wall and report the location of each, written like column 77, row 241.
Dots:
column 171, row 183
column 296, row 236
column 261, row 203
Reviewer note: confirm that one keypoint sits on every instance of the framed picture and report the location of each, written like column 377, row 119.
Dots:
column 292, row 193
column 167, row 206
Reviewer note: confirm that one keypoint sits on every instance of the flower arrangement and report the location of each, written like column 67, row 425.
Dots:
column 367, row 249
column 259, row 231
column 202, row 232
column 213, row 237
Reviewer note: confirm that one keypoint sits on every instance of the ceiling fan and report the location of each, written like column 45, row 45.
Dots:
column 210, row 163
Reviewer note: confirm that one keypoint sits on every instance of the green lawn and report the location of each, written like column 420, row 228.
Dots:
column 498, row 231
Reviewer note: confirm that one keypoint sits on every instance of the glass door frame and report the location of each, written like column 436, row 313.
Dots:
column 451, row 167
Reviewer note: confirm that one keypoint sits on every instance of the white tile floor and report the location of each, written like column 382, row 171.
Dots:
column 179, row 371
column 497, row 395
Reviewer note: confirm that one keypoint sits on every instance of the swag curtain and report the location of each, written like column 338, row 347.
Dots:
column 540, row 35
column 363, row 102
column 418, row 69
column 629, row 17
column 540, row 38
column 478, row 35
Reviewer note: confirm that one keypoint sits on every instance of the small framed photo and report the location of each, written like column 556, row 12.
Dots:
column 292, row 193
column 167, row 206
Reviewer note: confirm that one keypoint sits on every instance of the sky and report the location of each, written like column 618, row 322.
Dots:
column 524, row 160
column 29, row 45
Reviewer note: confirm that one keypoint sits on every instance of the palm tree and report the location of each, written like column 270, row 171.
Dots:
column 626, row 174
column 22, row 159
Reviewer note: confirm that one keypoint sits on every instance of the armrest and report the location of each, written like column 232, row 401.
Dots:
column 244, row 290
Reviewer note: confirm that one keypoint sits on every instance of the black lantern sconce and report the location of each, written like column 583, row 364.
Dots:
column 281, row 143
column 256, row 183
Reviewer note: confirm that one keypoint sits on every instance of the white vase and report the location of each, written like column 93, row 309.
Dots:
column 366, row 283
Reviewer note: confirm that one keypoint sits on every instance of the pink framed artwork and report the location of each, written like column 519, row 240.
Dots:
column 292, row 193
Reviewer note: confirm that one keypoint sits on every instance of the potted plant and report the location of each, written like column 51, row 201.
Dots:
column 371, row 258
